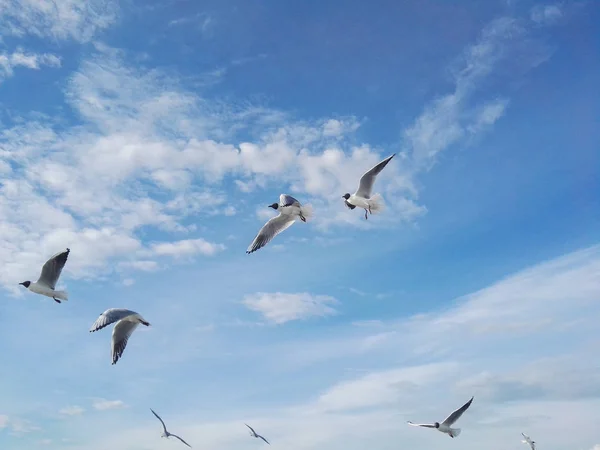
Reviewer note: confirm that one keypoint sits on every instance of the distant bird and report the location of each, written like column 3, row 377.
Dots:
column 528, row 440
column 290, row 210
column 444, row 427
column 253, row 434
column 166, row 433
column 47, row 281
column 362, row 197
column 127, row 322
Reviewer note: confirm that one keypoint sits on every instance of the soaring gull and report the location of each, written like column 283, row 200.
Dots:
column 46, row 283
column 445, row 426
column 254, row 434
column 166, row 434
column 527, row 440
column 127, row 322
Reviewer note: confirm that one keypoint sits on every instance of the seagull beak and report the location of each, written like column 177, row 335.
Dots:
column 22, row 284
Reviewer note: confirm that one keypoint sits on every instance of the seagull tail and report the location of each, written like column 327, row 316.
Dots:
column 307, row 211
column 377, row 204
column 62, row 295
column 455, row 432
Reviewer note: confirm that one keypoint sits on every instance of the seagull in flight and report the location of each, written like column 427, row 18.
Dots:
column 165, row 432
column 290, row 210
column 46, row 283
column 363, row 197
column 445, row 426
column 527, row 440
column 127, row 322
column 253, row 434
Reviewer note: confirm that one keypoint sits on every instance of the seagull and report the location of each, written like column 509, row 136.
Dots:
column 127, row 322
column 290, row 210
column 528, row 440
column 253, row 434
column 444, row 427
column 47, row 281
column 362, row 197
column 165, row 432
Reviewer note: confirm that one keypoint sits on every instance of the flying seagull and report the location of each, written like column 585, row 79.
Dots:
column 363, row 196
column 290, row 210
column 253, row 434
column 165, row 432
column 444, row 427
column 127, row 322
column 527, row 440
column 47, row 281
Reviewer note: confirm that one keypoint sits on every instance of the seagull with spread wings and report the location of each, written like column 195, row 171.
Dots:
column 46, row 283
column 363, row 197
column 290, row 210
column 527, row 440
column 445, row 426
column 165, row 433
column 126, row 323
column 254, row 434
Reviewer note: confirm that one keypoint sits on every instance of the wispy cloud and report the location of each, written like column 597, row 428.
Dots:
column 281, row 307
column 546, row 14
column 104, row 405
column 8, row 62
column 187, row 247
column 71, row 411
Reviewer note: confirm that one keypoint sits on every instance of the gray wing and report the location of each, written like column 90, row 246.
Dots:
column 120, row 335
column 110, row 316
column 52, row 269
column 426, row 425
column 174, row 435
column 365, row 187
column 258, row 435
column 456, row 414
column 269, row 230
column 288, row 200
column 161, row 421
column 251, row 429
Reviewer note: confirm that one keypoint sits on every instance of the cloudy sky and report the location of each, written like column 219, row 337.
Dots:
column 149, row 138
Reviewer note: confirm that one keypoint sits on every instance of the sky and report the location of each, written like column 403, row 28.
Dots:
column 150, row 136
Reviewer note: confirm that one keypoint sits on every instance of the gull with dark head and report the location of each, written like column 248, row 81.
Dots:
column 445, row 426
column 254, row 434
column 165, row 433
column 290, row 210
column 363, row 197
column 527, row 440
column 126, row 323
column 46, row 283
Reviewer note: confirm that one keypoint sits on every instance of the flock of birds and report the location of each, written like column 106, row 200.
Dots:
column 290, row 211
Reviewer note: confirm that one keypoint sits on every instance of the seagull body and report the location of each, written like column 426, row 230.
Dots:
column 165, row 433
column 527, row 440
column 363, row 197
column 254, row 434
column 446, row 425
column 290, row 210
column 126, row 323
column 46, row 283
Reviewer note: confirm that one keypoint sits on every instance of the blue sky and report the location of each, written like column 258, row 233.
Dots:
column 149, row 138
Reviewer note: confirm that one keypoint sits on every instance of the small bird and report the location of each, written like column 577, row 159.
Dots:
column 166, row 434
column 127, row 322
column 444, row 427
column 253, row 434
column 47, row 281
column 362, row 197
column 290, row 210
column 528, row 440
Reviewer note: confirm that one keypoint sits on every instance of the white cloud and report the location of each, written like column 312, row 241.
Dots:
column 3, row 421
column 104, row 405
column 8, row 62
column 280, row 307
column 187, row 247
column 546, row 14
column 72, row 411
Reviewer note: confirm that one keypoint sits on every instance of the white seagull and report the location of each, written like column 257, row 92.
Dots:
column 290, row 210
column 362, row 197
column 166, row 434
column 127, row 322
column 253, row 434
column 527, row 440
column 47, row 281
column 445, row 426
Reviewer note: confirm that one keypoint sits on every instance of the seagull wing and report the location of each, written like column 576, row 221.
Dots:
column 174, row 435
column 161, row 421
column 456, row 414
column 426, row 425
column 110, row 316
column 120, row 335
column 288, row 200
column 251, row 429
column 258, row 435
column 52, row 269
column 365, row 187
column 269, row 230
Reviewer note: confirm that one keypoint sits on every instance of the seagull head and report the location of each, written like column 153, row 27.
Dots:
column 25, row 283
column 346, row 196
column 274, row 206
column 437, row 424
